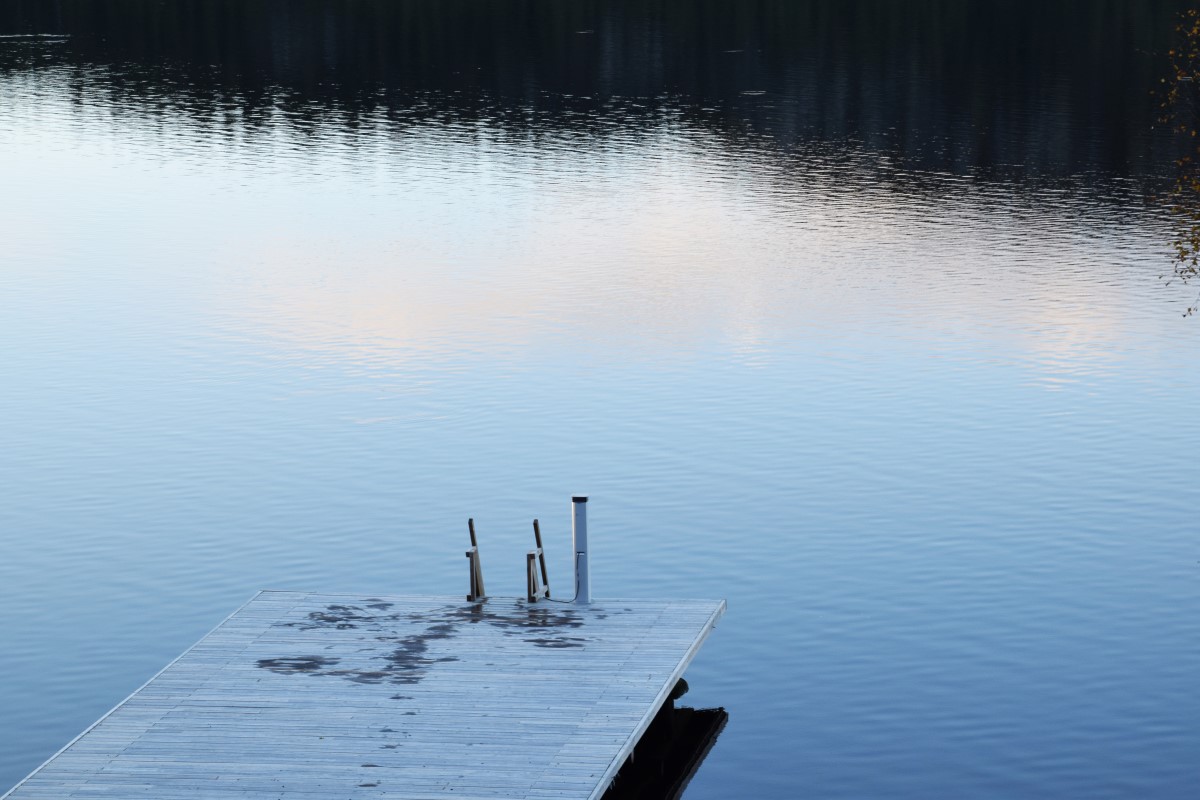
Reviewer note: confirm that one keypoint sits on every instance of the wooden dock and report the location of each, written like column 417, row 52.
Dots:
column 323, row 696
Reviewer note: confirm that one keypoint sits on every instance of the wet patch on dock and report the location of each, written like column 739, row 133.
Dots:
column 408, row 658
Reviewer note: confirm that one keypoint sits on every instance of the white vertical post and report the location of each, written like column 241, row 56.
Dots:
column 579, row 537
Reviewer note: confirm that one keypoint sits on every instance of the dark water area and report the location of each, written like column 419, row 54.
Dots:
column 849, row 312
column 1057, row 88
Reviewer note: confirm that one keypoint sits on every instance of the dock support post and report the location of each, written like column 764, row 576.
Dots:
column 579, row 536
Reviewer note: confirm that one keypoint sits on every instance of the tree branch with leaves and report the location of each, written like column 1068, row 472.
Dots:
column 1180, row 104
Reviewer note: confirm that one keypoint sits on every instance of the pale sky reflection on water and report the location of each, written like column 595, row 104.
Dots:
column 663, row 242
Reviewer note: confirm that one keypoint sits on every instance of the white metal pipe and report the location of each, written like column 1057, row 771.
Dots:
column 579, row 539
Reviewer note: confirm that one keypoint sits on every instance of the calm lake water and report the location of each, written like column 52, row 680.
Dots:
column 849, row 312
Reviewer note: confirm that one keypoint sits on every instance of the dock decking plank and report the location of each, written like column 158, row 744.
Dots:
column 301, row 694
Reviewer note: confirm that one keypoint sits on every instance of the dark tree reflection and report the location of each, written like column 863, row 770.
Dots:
column 1052, row 87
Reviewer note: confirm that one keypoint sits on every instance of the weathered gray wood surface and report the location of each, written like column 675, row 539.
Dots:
column 327, row 696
